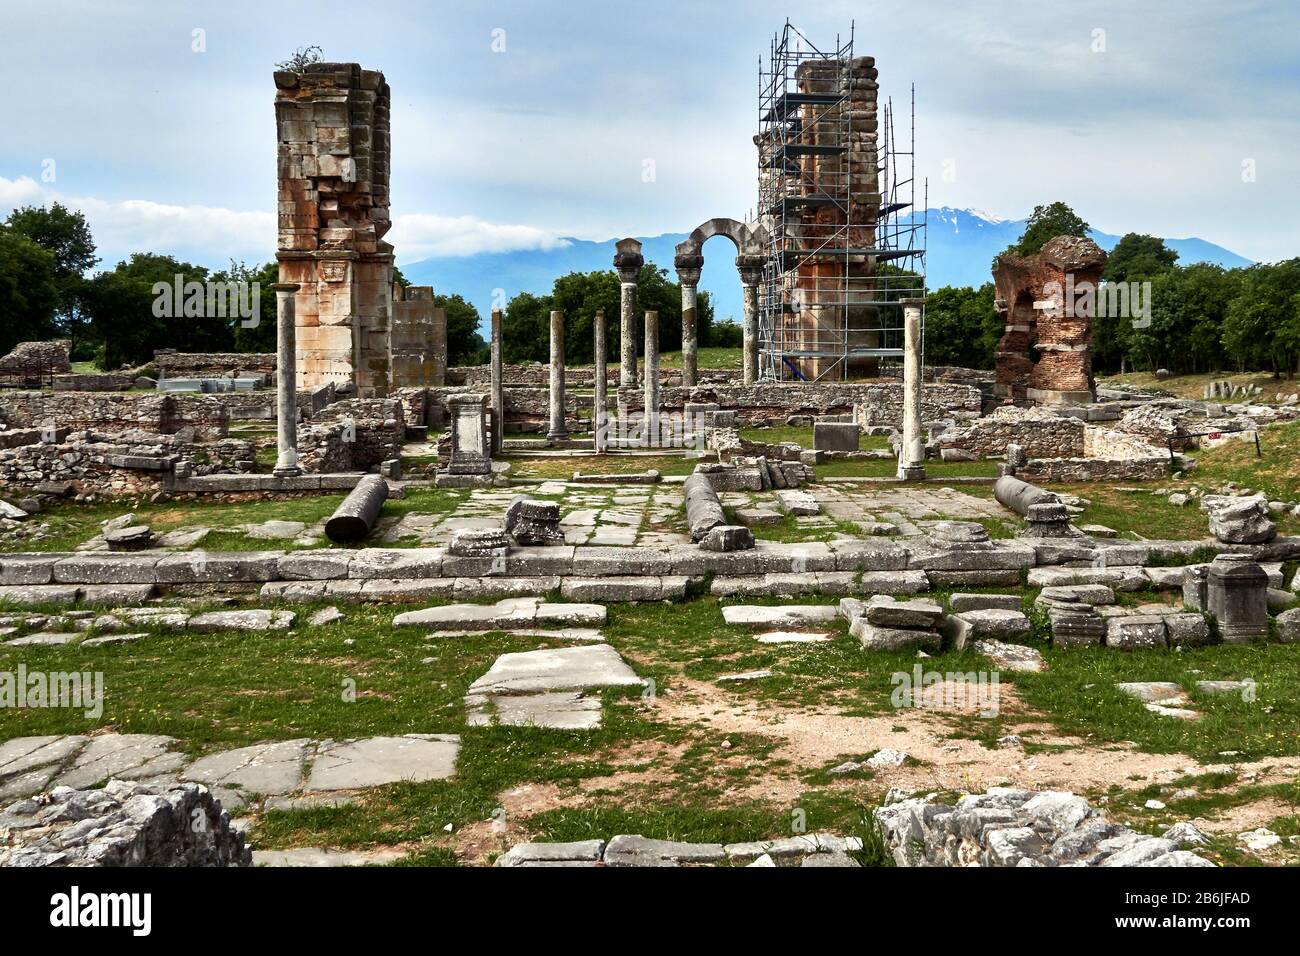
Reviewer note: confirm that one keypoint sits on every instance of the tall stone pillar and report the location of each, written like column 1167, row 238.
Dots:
column 688, row 274
column 911, row 453
column 628, row 262
column 751, row 272
column 600, row 401
column 651, row 428
column 498, row 396
column 286, row 381
column 557, row 431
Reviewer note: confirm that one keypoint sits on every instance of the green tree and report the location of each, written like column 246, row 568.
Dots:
column 961, row 326
column 465, row 345
column 29, row 291
column 1048, row 222
column 65, row 234
column 1137, row 257
column 248, row 335
column 121, row 304
column 1262, row 325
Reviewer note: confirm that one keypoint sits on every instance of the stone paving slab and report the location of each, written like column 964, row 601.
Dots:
column 556, row 669
column 562, row 710
column 504, row 615
column 29, row 765
column 780, row 615
column 629, row 850
column 358, row 764
column 317, row 856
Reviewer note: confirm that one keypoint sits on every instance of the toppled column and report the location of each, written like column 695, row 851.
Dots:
column 651, row 423
column 498, row 393
column 751, row 271
column 1020, row 496
column 703, row 508
column 357, row 515
column 286, row 381
column 911, row 453
column 1237, row 595
column 600, row 400
column 557, row 431
column 628, row 262
column 688, row 275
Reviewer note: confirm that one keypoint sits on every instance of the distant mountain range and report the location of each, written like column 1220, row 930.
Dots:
column 961, row 244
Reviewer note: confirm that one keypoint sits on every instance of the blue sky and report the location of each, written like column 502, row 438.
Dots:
column 1143, row 126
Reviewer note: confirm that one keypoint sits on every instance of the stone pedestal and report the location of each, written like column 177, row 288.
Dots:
column 650, row 436
column 286, row 381
column 557, row 430
column 1237, row 595
column 627, row 262
column 600, row 398
column 911, row 453
column 498, row 393
column 469, row 441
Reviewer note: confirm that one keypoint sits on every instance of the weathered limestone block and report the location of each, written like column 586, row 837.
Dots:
column 1237, row 597
column 1240, row 520
column 533, row 522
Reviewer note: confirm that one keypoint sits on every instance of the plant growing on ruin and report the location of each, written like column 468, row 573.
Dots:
column 302, row 58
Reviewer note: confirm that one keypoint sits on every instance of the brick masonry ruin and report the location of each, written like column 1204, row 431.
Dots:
column 1045, row 353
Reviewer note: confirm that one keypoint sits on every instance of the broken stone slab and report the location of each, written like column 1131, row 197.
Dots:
column 44, row 639
column 959, row 602
column 1155, row 692
column 885, row 611
column 376, row 761
column 107, row 569
column 1011, row 657
column 1187, row 630
column 794, row 502
column 529, row 521
column 124, row 756
column 556, row 669
column 394, row 563
column 757, row 517
column 793, row 637
column 314, row 565
column 268, row 769
column 110, row 639
column 1238, row 687
column 560, row 710
column 1117, row 578
column 894, row 582
column 742, row 678
column 619, row 589
column 309, row 856
column 636, row 850
column 275, row 530
column 534, row 854
column 242, row 620
column 504, row 615
column 133, row 538
column 878, row 638
column 727, row 538
column 778, row 615
column 997, row 624
column 608, row 560
column 1090, row 594
column 489, row 543
column 218, row 567
column 326, row 615
column 1239, row 520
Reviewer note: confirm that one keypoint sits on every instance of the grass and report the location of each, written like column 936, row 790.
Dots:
column 1193, row 386
column 707, row 358
column 231, row 689
column 564, row 467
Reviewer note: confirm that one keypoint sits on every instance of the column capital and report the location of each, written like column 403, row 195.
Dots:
column 285, row 287
column 628, row 260
column 688, row 268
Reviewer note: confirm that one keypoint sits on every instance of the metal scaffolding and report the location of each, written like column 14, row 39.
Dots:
column 840, row 255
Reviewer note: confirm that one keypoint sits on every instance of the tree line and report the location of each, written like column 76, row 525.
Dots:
column 1203, row 317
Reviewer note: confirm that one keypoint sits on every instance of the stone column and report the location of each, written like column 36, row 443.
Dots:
column 498, row 396
column 650, row 430
column 286, row 382
column 751, row 271
column 911, row 453
column 557, row 431
column 628, row 262
column 688, row 274
column 600, row 401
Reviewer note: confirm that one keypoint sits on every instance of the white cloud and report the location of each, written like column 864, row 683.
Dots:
column 210, row 235
column 420, row 235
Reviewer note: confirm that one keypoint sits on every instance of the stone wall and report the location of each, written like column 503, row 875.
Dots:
column 1041, row 434
column 332, row 131
column 356, row 434
column 52, row 357
column 173, row 364
column 204, row 417
column 418, row 340
column 873, row 403
column 96, row 382
column 125, row 463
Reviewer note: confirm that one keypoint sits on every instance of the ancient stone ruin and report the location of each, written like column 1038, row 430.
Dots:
column 1045, row 353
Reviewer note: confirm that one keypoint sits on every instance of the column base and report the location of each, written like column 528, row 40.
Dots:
column 292, row 471
column 912, row 473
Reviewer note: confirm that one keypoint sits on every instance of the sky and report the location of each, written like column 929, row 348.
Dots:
column 518, row 123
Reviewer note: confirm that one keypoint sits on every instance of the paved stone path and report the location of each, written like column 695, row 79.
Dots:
column 548, row 688
column 814, row 849
column 30, row 765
